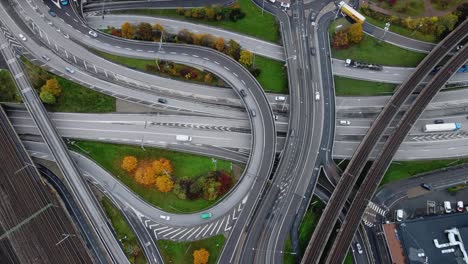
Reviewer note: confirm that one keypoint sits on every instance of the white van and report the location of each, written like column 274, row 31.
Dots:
column 280, row 98
column 448, row 207
column 399, row 215
column 345, row 122
column 183, row 138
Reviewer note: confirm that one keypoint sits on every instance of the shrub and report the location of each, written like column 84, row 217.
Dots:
column 129, row 163
column 164, row 183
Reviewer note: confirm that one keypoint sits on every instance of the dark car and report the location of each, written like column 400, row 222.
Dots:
column 312, row 51
column 162, row 101
column 426, row 186
column 52, row 13
column 243, row 93
column 438, row 121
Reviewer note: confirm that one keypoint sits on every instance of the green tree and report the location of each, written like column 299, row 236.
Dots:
column 145, row 31
column 47, row 97
column 207, row 40
column 210, row 190
column 234, row 49
column 246, row 58
column 185, row 36
column 355, row 33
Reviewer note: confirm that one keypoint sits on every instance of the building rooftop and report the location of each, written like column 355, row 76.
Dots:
column 418, row 239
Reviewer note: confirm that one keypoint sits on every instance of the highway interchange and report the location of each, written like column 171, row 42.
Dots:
column 257, row 204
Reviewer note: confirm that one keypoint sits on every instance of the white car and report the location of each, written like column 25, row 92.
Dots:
column 460, row 206
column 273, row 1
column 359, row 248
column 285, row 5
column 92, row 33
column 70, row 70
column 165, row 217
column 345, row 122
column 22, row 37
column 317, row 96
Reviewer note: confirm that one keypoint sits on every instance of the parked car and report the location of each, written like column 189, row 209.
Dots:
column 165, row 217
column 70, row 70
column 92, row 33
column 45, row 57
column 22, row 37
column 162, row 101
column 273, row 1
column 447, row 207
column 359, row 248
column 399, row 215
column 438, row 121
column 52, row 13
column 460, row 206
column 206, row 215
column 426, row 186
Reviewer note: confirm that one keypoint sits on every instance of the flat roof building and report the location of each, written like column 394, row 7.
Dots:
column 434, row 239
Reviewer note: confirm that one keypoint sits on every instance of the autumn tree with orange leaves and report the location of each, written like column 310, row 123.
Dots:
column 129, row 163
column 164, row 183
column 162, row 166
column 201, row 256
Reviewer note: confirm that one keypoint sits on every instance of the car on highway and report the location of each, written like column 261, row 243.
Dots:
column 64, row 2
column 345, row 122
column 92, row 33
column 206, row 215
column 359, row 248
column 22, row 37
column 312, row 51
column 426, row 186
column 447, row 207
column 438, row 121
column 460, row 206
column 243, row 93
column 275, row 117
column 317, row 96
column 253, row 112
column 66, row 36
column 70, row 70
column 45, row 57
column 459, row 47
column 162, row 101
column 280, row 98
column 285, row 4
column 52, row 13
column 165, row 217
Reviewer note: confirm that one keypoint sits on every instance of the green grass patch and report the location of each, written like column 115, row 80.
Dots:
column 351, row 87
column 288, row 258
column 405, row 169
column 273, row 77
column 8, row 91
column 348, row 259
column 75, row 98
column 443, row 5
column 109, row 156
column 371, row 50
column 404, row 7
column 124, row 233
column 403, row 31
column 309, row 221
column 255, row 23
column 181, row 252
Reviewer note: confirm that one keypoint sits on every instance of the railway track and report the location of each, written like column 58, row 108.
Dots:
column 380, row 165
column 342, row 191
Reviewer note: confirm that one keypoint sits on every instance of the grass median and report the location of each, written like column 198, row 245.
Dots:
column 124, row 233
column 399, row 170
column 74, row 98
column 110, row 156
column 372, row 50
column 8, row 91
column 256, row 23
column 181, row 252
column 352, row 87
column 273, row 77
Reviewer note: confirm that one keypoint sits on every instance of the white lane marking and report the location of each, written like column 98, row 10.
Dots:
column 226, row 68
column 235, row 74
column 216, row 62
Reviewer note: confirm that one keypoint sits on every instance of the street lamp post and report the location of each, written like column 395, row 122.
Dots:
column 387, row 26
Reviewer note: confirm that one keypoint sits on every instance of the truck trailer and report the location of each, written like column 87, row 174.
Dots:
column 362, row 65
column 447, row 127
